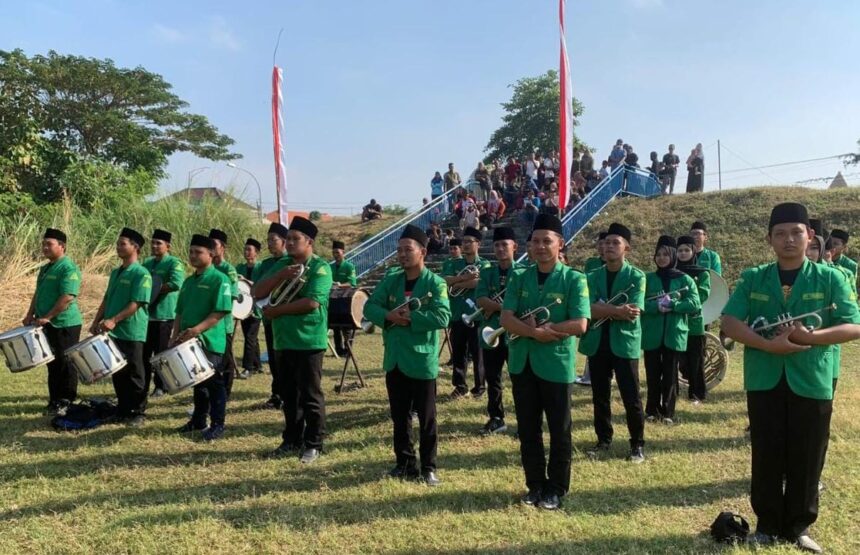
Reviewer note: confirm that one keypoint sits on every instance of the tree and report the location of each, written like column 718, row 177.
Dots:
column 59, row 110
column 531, row 119
column 854, row 158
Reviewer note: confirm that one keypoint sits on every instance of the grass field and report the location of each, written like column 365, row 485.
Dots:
column 118, row 490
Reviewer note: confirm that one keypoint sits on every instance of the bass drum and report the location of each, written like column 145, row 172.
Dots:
column 346, row 307
column 244, row 305
column 716, row 363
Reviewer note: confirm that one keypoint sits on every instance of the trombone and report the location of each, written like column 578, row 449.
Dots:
column 287, row 290
column 761, row 324
column 456, row 290
column 673, row 295
column 469, row 319
column 413, row 303
column 621, row 299
column 541, row 315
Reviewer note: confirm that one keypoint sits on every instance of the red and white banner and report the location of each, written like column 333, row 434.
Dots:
column 277, row 134
column 565, row 120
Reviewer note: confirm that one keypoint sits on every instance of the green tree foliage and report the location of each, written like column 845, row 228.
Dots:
column 60, row 112
column 531, row 119
column 854, row 158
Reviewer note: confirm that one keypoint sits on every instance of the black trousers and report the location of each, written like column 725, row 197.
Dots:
column 464, row 338
column 694, row 363
column 302, row 396
column 789, row 436
column 273, row 359
column 406, row 394
column 157, row 340
column 494, row 361
column 130, row 382
column 534, row 397
column 661, row 376
column 210, row 397
column 626, row 370
column 229, row 363
column 251, row 348
column 62, row 378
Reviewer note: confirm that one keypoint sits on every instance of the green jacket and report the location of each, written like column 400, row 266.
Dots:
column 668, row 329
column 200, row 296
column 230, row 271
column 124, row 286
column 758, row 292
column 344, row 273
column 711, row 260
column 171, row 270
column 593, row 263
column 452, row 267
column 489, row 285
column 555, row 361
column 625, row 338
column 837, row 349
column 264, row 269
column 413, row 349
column 703, row 286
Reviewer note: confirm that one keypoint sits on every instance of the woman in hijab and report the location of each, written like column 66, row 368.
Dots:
column 696, row 170
column 670, row 298
column 693, row 361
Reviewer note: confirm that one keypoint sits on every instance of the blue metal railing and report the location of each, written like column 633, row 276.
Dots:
column 383, row 245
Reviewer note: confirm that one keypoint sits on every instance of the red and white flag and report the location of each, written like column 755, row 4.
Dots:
column 277, row 134
column 565, row 120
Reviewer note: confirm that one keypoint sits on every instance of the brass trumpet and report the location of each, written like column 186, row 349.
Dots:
column 621, row 299
column 469, row 319
column 674, row 295
column 761, row 324
column 287, row 290
column 413, row 303
column 541, row 314
column 455, row 290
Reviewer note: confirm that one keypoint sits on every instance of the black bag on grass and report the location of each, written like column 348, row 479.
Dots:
column 84, row 416
column 730, row 528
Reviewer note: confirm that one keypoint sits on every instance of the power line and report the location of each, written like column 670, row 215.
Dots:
column 747, row 162
column 833, row 157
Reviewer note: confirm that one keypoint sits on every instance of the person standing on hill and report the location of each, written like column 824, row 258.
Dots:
column 670, row 167
column 452, row 178
column 696, row 170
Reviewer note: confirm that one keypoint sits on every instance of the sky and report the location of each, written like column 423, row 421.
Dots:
column 379, row 94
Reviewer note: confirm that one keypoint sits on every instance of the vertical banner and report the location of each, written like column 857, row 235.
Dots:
column 565, row 120
column 277, row 139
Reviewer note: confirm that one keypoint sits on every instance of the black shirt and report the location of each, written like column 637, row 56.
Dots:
column 669, row 160
column 542, row 277
column 787, row 279
column 410, row 285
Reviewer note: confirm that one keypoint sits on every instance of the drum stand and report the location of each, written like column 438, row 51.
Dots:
column 349, row 335
column 446, row 341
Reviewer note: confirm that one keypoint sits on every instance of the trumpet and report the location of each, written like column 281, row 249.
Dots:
column 287, row 290
column 541, row 315
column 469, row 319
column 674, row 295
column 761, row 324
column 618, row 300
column 455, row 290
column 413, row 303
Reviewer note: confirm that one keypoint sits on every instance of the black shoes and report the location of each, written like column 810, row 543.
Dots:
column 637, row 455
column 213, row 432
column 135, row 421
column 284, row 450
column 403, row 473
column 494, row 425
column 760, row 539
column 157, row 392
column 532, row 498
column 429, row 477
column 274, row 402
column 309, row 456
column 599, row 448
column 550, row 501
column 460, row 393
column 189, row 427
column 477, row 393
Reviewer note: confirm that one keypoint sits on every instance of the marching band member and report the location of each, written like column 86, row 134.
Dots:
column 123, row 315
column 162, row 312
column 250, row 325
column 411, row 360
column 541, row 360
column 670, row 298
column 204, row 302
column 693, row 360
column 493, row 281
column 455, row 253
column 464, row 338
column 596, row 262
column 705, row 257
column 276, row 242
column 228, row 270
column 788, row 377
column 54, row 307
column 343, row 275
column 614, row 346
column 300, row 329
column 839, row 241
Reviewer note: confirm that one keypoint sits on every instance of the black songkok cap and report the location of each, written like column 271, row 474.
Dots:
column 455, row 243
column 305, row 226
column 620, row 230
column 278, row 229
column 198, row 240
column 699, row 225
column 161, row 235
column 548, row 222
column 601, row 236
column 503, row 234
column 472, row 232
column 686, row 240
column 788, row 213
column 817, row 226
column 218, row 234
column 416, row 234
column 132, row 236
column 840, row 234
column 338, row 245
column 52, row 233
column 254, row 243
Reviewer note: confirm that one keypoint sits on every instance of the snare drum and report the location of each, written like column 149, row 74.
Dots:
column 346, row 307
column 25, row 347
column 95, row 358
column 183, row 366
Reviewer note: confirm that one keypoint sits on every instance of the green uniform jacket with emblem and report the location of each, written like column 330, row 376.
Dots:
column 837, row 349
column 306, row 331
column 593, row 263
column 413, row 349
column 711, row 260
column 758, row 292
column 851, row 266
column 554, row 361
column 230, row 271
column 132, row 284
column 201, row 295
column 58, row 278
column 344, row 273
column 452, row 267
column 171, row 270
column 668, row 329
column 264, row 269
column 625, row 337
column 489, row 286
column 248, row 273
column 703, row 286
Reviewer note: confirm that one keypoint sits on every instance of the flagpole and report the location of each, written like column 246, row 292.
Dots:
column 565, row 120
